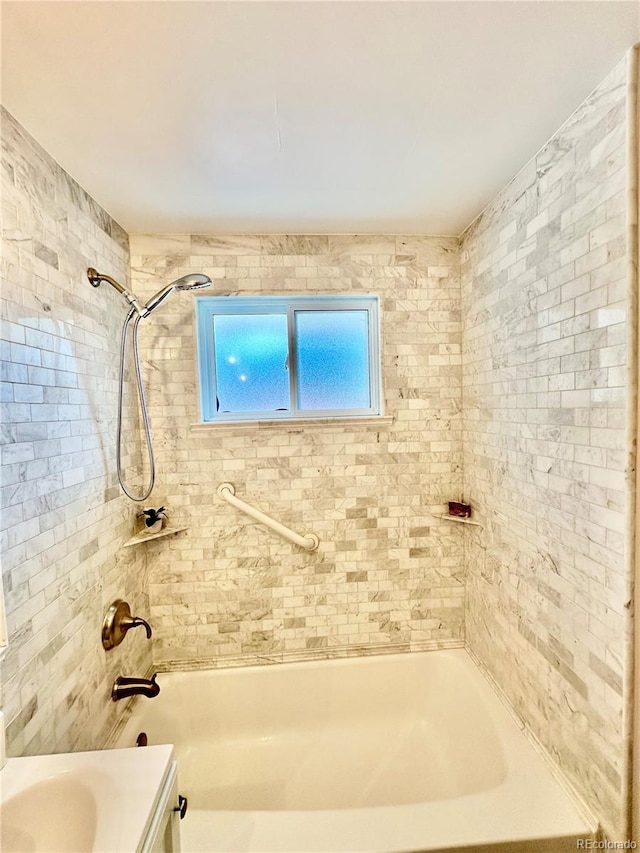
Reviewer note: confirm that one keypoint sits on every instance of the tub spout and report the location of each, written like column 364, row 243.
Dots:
column 124, row 687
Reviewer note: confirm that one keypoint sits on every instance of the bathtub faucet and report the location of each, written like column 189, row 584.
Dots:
column 124, row 687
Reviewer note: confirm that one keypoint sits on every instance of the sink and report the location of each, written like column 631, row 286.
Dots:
column 66, row 811
column 99, row 801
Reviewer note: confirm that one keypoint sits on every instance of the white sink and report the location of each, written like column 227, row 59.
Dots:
column 65, row 811
column 83, row 801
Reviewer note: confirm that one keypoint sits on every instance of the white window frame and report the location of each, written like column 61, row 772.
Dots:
column 209, row 306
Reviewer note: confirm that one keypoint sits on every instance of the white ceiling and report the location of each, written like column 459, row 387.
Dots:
column 302, row 117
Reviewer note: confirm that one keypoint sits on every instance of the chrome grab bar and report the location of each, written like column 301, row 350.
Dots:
column 228, row 493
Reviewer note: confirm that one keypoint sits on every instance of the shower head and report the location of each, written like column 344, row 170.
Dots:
column 193, row 281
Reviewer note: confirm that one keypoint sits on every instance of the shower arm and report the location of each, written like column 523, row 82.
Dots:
column 95, row 279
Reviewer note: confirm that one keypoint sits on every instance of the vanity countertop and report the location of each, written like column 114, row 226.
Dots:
column 100, row 801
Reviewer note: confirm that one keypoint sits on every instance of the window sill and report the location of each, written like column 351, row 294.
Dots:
column 293, row 424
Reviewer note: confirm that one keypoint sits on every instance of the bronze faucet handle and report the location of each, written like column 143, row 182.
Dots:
column 117, row 622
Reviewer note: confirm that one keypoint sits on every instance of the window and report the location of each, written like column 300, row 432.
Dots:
column 265, row 357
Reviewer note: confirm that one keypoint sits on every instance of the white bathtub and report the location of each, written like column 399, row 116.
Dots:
column 407, row 752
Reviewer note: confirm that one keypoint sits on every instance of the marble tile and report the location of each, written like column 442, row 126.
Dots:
column 352, row 485
column 503, row 359
column 361, row 244
column 202, row 244
column 64, row 529
column 536, row 458
column 284, row 245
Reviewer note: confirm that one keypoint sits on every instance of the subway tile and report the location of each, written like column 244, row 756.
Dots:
column 535, row 355
column 54, row 339
column 552, row 503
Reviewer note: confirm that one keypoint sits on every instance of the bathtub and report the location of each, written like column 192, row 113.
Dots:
column 404, row 752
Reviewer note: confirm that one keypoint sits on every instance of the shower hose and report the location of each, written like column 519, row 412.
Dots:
column 133, row 315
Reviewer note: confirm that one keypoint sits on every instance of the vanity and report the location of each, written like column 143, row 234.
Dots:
column 107, row 801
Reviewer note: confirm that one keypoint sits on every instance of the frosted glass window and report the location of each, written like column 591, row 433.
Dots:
column 332, row 358
column 270, row 358
column 251, row 355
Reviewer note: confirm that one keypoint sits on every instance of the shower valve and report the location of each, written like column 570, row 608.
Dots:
column 117, row 621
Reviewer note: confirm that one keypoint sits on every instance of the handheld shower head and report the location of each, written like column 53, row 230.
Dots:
column 193, row 281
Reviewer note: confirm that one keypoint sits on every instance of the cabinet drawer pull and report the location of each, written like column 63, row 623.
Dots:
column 182, row 806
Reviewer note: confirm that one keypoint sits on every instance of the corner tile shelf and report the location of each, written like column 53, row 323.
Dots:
column 140, row 538
column 456, row 519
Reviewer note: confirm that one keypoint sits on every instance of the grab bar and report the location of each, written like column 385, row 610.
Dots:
column 228, row 493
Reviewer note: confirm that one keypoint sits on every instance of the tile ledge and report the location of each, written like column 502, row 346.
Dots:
column 295, row 424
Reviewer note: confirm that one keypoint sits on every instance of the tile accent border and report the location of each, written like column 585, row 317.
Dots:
column 307, row 655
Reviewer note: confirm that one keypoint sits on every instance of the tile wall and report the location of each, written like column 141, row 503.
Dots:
column 64, row 517
column 544, row 364
column 546, row 336
column 387, row 575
